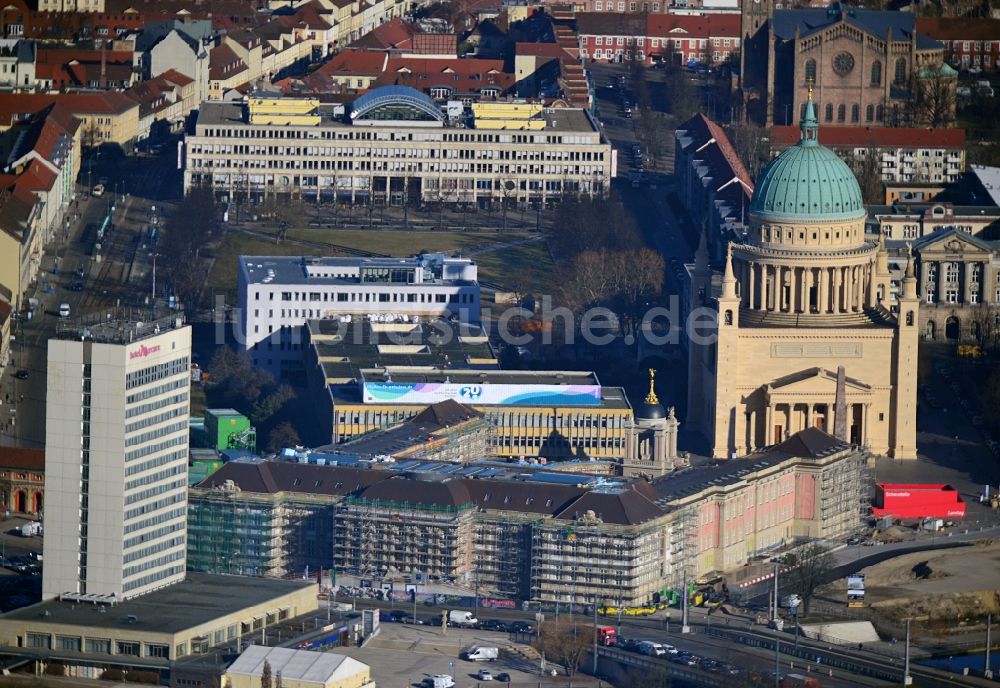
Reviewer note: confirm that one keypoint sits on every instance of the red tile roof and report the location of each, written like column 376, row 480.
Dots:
column 224, row 63
column 394, row 34
column 14, row 105
column 37, row 177
column 175, row 77
column 18, row 457
column 355, row 62
column 785, row 136
column 541, row 50
column 695, row 26
column 462, row 75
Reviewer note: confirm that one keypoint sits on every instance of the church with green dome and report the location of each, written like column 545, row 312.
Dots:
column 804, row 335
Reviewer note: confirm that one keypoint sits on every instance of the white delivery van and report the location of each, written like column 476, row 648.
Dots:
column 459, row 618
column 477, row 653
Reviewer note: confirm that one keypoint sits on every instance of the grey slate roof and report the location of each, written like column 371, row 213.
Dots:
column 874, row 22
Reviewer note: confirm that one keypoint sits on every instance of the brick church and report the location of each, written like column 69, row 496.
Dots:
column 866, row 66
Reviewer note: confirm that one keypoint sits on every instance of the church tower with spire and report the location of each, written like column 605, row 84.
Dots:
column 803, row 296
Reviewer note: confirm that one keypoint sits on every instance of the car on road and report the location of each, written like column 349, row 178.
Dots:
column 522, row 627
column 410, row 619
column 503, row 676
column 494, row 625
column 854, row 541
column 731, row 669
column 76, row 286
column 484, row 675
column 81, row 272
column 685, row 658
column 22, row 374
column 439, row 681
column 63, row 310
column 711, row 665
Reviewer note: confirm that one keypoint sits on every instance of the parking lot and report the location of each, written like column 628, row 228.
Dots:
column 407, row 654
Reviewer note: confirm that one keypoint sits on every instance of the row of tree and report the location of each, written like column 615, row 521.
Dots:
column 188, row 230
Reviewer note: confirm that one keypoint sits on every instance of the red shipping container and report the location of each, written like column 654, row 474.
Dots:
column 917, row 501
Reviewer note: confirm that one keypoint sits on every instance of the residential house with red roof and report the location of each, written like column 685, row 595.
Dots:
column 65, row 69
column 164, row 102
column 41, row 160
column 395, row 35
column 905, row 154
column 968, row 41
column 712, row 180
column 469, row 80
column 652, row 38
column 226, row 71
column 354, row 70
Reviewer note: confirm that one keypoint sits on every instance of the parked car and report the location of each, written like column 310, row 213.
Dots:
column 22, row 374
column 484, row 675
column 64, row 310
column 494, row 625
column 439, row 681
column 686, row 658
column 76, row 286
column 712, row 665
column 503, row 676
column 522, row 627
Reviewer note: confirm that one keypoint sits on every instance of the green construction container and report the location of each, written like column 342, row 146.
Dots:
column 225, row 426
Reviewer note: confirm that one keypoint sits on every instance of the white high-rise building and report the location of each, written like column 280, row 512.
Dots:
column 116, row 457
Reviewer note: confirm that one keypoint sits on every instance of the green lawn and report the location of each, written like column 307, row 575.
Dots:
column 525, row 268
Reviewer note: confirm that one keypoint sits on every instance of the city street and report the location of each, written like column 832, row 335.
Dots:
column 71, row 273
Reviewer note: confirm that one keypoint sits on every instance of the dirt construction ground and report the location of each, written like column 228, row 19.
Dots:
column 943, row 585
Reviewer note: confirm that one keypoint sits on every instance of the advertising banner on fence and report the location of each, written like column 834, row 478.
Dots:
column 487, row 394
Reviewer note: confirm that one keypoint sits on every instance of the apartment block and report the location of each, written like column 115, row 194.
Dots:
column 903, row 154
column 116, row 457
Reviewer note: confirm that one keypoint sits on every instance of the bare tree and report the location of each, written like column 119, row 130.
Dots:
column 986, row 326
column 868, row 170
column 636, row 279
column 565, row 641
column 187, row 231
column 752, row 145
column 934, row 104
column 812, row 567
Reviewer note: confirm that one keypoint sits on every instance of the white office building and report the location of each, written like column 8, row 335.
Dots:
column 116, row 456
column 278, row 295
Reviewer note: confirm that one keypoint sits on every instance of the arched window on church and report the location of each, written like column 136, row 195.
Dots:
column 879, row 113
column 876, row 73
column 909, row 318
column 811, row 71
column 869, row 113
column 841, row 112
column 900, row 77
column 829, row 112
column 855, row 113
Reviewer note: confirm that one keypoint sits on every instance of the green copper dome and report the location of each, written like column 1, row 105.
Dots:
column 808, row 182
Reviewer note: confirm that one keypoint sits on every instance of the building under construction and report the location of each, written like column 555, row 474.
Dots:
column 527, row 532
